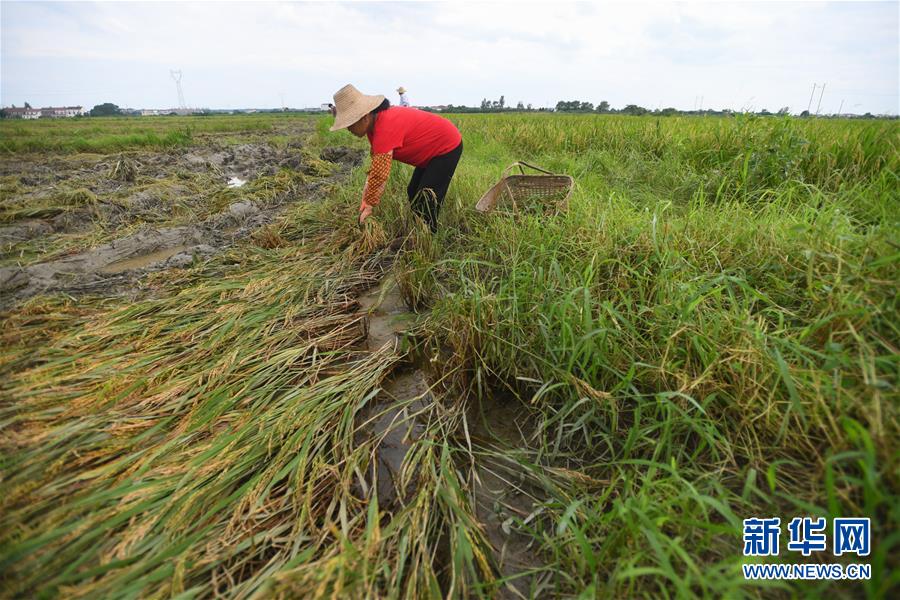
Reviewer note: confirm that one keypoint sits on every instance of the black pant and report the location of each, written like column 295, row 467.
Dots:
column 428, row 186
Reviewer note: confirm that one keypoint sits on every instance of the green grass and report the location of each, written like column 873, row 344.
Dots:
column 711, row 331
column 709, row 334
column 112, row 134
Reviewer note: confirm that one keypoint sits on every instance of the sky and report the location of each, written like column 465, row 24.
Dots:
column 741, row 56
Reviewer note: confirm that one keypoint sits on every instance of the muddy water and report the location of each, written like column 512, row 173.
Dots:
column 144, row 260
column 396, row 418
column 388, row 315
column 395, row 421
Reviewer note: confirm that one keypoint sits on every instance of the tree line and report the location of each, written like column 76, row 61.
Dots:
column 603, row 107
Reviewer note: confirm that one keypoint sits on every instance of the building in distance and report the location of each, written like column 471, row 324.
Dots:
column 48, row 112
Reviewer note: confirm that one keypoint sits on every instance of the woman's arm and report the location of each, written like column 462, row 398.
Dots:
column 375, row 182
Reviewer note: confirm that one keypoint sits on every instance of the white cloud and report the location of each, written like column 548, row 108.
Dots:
column 235, row 54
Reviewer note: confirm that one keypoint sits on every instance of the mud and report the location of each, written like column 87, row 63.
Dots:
column 25, row 229
column 388, row 315
column 89, row 271
column 146, row 260
column 147, row 250
column 111, row 192
column 54, row 194
column 504, row 501
column 394, row 418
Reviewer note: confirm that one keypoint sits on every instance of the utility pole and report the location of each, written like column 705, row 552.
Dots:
column 809, row 106
column 820, row 99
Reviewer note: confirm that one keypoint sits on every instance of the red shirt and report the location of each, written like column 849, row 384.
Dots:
column 414, row 135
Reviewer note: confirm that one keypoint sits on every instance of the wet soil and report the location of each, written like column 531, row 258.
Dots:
column 115, row 266
column 395, row 421
column 141, row 195
column 143, row 260
column 503, row 501
column 388, row 315
column 394, row 418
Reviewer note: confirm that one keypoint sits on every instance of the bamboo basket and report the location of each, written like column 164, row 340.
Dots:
column 548, row 193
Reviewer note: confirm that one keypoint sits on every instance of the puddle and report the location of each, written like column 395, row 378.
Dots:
column 394, row 418
column 397, row 417
column 395, row 421
column 388, row 316
column 144, row 260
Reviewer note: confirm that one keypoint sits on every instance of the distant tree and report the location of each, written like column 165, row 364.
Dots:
column 27, row 105
column 784, row 110
column 574, row 106
column 529, row 106
column 485, row 104
column 520, row 106
column 501, row 102
column 107, row 109
column 603, row 107
column 668, row 112
column 805, row 113
column 634, row 109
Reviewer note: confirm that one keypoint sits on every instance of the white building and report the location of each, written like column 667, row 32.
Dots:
column 17, row 112
column 61, row 112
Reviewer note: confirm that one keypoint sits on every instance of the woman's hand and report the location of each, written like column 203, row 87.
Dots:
column 364, row 211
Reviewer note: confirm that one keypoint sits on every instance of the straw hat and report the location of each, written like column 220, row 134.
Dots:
column 351, row 105
column 401, row 90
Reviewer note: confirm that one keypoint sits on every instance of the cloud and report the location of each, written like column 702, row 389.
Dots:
column 242, row 54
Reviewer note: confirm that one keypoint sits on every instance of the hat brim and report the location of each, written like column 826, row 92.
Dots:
column 348, row 117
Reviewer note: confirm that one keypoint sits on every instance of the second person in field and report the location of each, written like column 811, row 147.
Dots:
column 430, row 143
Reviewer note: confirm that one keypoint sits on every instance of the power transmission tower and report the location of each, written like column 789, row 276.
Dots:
column 809, row 106
column 820, row 98
column 176, row 75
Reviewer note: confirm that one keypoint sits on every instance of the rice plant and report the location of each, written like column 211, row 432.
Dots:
column 709, row 333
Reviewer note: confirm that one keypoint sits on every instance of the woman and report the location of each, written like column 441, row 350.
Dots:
column 430, row 143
